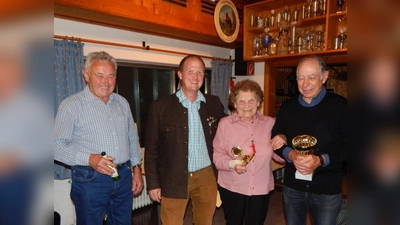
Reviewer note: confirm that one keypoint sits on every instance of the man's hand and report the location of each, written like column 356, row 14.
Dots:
column 10, row 162
column 278, row 141
column 100, row 164
column 304, row 164
column 155, row 194
column 137, row 181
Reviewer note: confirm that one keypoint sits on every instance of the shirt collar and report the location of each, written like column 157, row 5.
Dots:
column 182, row 97
column 315, row 100
column 89, row 96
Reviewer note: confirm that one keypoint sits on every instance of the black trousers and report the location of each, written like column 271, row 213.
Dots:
column 238, row 208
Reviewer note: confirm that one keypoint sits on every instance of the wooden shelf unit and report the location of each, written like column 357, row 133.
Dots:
column 331, row 22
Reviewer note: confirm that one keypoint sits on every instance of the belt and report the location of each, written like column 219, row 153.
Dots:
column 192, row 173
column 127, row 163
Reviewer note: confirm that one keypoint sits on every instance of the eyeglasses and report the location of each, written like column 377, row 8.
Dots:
column 249, row 102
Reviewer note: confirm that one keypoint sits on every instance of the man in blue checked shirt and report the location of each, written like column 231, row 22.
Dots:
column 88, row 123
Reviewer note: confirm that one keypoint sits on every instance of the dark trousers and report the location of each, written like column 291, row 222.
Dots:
column 238, row 208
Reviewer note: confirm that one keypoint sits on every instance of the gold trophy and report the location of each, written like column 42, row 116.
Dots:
column 304, row 144
column 238, row 152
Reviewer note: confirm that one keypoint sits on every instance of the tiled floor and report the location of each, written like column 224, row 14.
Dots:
column 149, row 214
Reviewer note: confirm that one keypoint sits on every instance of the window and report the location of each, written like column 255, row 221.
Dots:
column 142, row 84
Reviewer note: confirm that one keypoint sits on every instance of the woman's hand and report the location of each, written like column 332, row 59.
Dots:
column 240, row 168
column 278, row 141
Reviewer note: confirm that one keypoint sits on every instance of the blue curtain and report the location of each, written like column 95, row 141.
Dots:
column 221, row 72
column 68, row 79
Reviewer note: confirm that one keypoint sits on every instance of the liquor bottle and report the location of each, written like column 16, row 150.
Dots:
column 115, row 175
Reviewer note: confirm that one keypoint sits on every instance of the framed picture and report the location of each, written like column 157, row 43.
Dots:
column 226, row 20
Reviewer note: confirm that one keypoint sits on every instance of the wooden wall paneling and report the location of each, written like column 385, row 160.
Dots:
column 155, row 17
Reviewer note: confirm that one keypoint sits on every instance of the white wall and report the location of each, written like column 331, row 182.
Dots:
column 62, row 203
column 84, row 30
column 89, row 31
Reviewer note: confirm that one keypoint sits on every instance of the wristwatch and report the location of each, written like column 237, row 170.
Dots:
column 321, row 160
column 133, row 167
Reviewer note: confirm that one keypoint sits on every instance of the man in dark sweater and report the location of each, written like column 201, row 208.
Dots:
column 313, row 182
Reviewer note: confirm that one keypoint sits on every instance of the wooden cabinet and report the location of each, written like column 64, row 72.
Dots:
column 331, row 22
column 316, row 30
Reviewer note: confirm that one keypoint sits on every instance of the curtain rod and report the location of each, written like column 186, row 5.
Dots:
column 143, row 47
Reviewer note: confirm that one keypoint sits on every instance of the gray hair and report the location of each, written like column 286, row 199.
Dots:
column 100, row 56
column 321, row 63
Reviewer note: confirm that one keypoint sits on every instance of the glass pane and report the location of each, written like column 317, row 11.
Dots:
column 125, row 86
column 140, row 86
column 146, row 79
column 164, row 77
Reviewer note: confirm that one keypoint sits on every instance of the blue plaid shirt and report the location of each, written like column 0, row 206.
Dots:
column 198, row 154
column 85, row 125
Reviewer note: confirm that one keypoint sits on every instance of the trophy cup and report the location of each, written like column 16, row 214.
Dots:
column 319, row 38
column 272, row 18
column 266, row 22
column 278, row 19
column 304, row 145
column 295, row 15
column 308, row 38
column 340, row 4
column 273, row 46
column 303, row 12
column 265, row 41
column 309, row 9
column 256, row 46
column 260, row 22
column 315, row 5
column 323, row 7
column 238, row 152
column 293, row 39
column 300, row 44
column 342, row 37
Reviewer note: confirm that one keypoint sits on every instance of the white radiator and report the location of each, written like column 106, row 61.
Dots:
column 143, row 199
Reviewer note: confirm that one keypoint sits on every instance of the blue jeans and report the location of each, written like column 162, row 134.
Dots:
column 16, row 195
column 95, row 195
column 323, row 208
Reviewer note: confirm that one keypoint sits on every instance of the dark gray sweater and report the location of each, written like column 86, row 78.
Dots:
column 327, row 121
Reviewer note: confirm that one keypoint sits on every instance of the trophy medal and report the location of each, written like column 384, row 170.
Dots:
column 237, row 151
